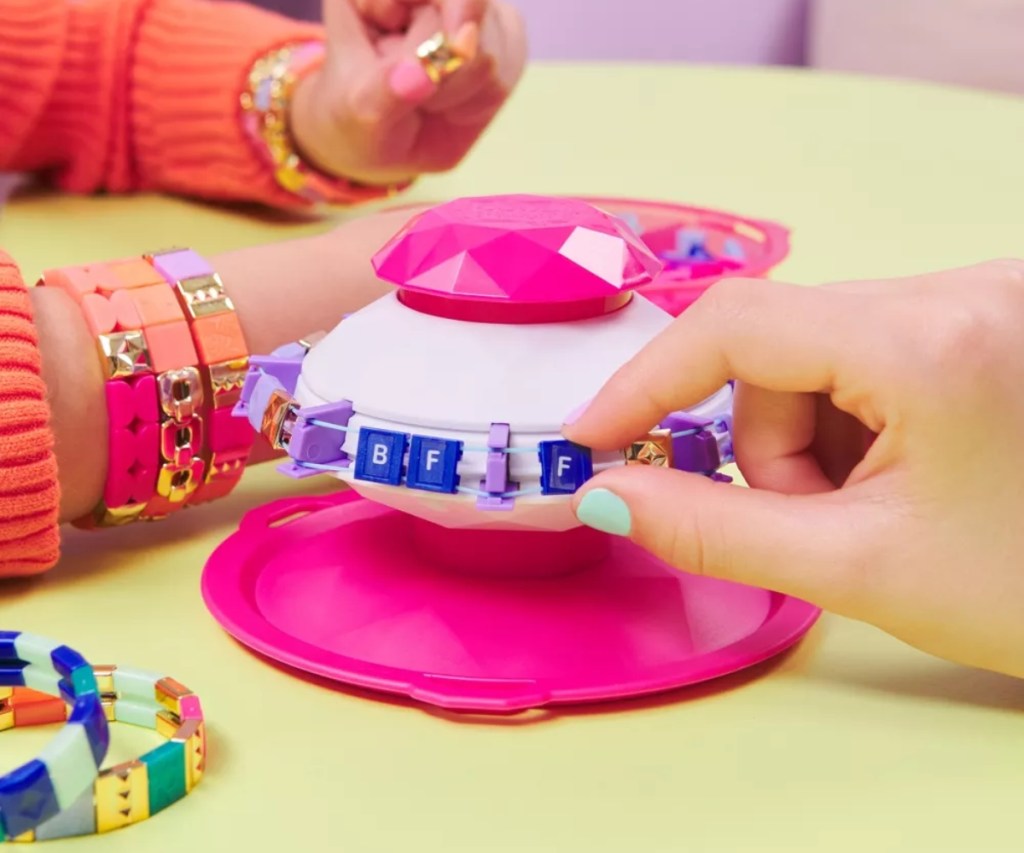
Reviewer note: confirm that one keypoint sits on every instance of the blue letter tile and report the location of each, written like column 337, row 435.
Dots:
column 380, row 456
column 432, row 464
column 564, row 467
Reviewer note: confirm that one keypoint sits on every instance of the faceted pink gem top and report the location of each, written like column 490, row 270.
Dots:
column 517, row 249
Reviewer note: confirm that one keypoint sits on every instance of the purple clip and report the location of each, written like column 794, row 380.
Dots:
column 496, row 481
column 241, row 408
column 259, row 399
column 697, row 452
column 285, row 369
column 322, row 445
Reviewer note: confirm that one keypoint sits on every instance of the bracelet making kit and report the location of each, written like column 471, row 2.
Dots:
column 453, row 569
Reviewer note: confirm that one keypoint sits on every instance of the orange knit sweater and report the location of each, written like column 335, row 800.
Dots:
column 111, row 95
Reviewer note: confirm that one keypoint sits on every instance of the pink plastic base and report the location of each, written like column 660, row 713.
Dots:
column 340, row 587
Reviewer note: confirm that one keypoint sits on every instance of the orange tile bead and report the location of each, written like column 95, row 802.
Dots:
column 170, row 346
column 78, row 281
column 154, row 304
column 219, row 338
column 131, row 274
column 99, row 314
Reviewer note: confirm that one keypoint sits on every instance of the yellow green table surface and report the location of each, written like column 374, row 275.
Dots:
column 852, row 742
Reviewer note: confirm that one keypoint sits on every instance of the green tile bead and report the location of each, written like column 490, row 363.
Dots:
column 83, row 680
column 166, row 768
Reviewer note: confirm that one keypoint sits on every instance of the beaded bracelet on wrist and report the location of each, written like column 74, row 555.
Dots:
column 174, row 357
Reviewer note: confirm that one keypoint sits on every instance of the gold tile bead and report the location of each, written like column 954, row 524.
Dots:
column 105, row 516
column 193, row 735
column 25, row 837
column 181, row 392
column 226, row 381
column 167, row 724
column 122, row 796
column 221, row 467
column 437, row 58
column 204, row 295
column 275, row 417
column 177, row 483
column 654, row 450
column 178, row 442
column 124, row 354
column 170, row 692
column 149, row 257
column 105, row 679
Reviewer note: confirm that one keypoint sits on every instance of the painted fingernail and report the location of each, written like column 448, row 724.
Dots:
column 410, row 82
column 605, row 511
column 576, row 414
column 466, row 42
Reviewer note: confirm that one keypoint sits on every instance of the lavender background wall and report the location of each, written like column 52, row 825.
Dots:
column 735, row 31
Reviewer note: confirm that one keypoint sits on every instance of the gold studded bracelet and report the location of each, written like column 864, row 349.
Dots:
column 266, row 106
column 174, row 359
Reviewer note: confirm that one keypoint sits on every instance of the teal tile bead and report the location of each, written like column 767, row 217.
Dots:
column 83, row 680
column 166, row 768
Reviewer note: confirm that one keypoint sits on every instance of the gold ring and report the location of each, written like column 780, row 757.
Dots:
column 438, row 59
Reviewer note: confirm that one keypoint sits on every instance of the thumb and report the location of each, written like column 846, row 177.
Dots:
column 807, row 546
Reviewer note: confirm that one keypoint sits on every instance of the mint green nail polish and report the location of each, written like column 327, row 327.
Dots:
column 606, row 512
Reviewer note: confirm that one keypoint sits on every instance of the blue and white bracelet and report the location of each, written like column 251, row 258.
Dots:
column 314, row 437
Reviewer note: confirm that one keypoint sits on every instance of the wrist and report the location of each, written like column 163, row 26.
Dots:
column 313, row 126
column 299, row 143
column 74, row 388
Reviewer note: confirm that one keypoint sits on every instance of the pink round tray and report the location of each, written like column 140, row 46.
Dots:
column 739, row 245
column 334, row 586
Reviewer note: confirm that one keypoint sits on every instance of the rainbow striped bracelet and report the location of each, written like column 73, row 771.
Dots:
column 132, row 791
column 46, row 786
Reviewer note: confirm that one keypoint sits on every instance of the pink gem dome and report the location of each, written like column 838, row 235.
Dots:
column 517, row 249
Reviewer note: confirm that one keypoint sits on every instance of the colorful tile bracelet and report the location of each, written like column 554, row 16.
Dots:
column 224, row 361
column 174, row 356
column 52, row 783
column 431, row 463
column 132, row 791
column 266, row 106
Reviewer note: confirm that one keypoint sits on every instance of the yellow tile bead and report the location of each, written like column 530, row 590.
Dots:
column 193, row 735
column 122, row 796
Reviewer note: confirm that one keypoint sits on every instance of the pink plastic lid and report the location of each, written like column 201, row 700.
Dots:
column 352, row 591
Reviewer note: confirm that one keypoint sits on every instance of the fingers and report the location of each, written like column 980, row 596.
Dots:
column 776, row 336
column 798, row 545
column 347, row 32
column 456, row 14
column 388, row 15
column 774, row 436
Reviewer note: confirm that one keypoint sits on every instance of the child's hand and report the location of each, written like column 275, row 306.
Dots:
column 373, row 116
column 923, row 533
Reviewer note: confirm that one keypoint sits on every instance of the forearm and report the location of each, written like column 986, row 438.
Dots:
column 281, row 293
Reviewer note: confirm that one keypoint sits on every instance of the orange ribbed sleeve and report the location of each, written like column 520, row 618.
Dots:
column 125, row 95
column 29, row 494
